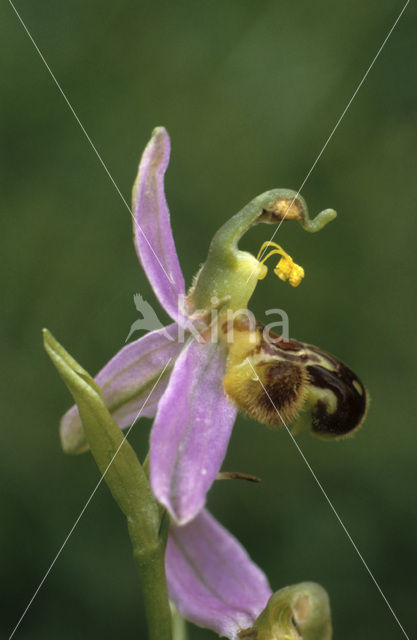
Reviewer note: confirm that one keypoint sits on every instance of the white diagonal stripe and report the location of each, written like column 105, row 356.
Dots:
column 103, row 164
column 335, row 127
column 330, row 504
column 71, row 531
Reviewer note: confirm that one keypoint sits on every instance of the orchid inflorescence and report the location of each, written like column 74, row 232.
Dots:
column 192, row 378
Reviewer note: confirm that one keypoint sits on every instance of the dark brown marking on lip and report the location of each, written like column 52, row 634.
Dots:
column 285, row 386
column 275, row 341
column 351, row 405
column 287, row 368
column 279, row 354
column 335, row 362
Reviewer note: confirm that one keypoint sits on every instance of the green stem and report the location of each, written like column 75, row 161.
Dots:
column 151, row 564
column 179, row 626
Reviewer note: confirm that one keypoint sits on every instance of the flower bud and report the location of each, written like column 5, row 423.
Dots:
column 299, row 612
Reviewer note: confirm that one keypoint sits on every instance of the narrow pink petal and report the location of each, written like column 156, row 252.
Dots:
column 211, row 579
column 151, row 225
column 126, row 382
column 191, row 431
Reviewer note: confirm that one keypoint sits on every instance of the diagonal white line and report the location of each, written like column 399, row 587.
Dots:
column 103, row 164
column 330, row 503
column 86, row 505
column 335, row 127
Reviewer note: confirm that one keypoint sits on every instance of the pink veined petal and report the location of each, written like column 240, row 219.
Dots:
column 211, row 579
column 152, row 228
column 191, row 431
column 126, row 382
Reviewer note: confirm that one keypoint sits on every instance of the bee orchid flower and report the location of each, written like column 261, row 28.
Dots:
column 205, row 376
column 201, row 566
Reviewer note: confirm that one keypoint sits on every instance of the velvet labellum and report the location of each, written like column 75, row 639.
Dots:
column 281, row 382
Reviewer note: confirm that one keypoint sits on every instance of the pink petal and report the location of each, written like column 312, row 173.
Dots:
column 191, row 431
column 126, row 382
column 211, row 579
column 152, row 228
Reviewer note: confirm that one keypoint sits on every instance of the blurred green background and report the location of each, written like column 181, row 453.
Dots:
column 249, row 92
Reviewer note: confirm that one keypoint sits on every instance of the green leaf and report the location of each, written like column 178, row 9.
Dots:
column 114, row 456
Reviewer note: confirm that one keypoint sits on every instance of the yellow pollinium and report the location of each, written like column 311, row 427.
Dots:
column 286, row 268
